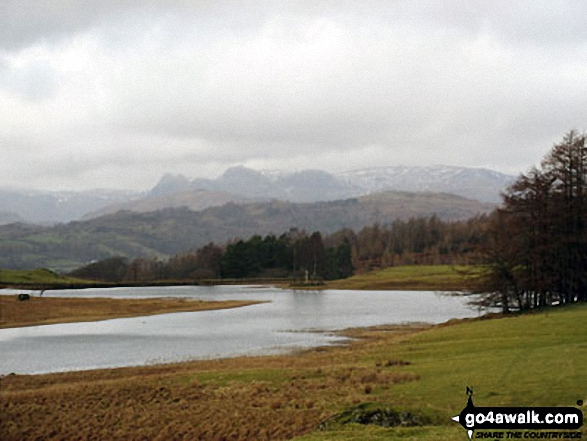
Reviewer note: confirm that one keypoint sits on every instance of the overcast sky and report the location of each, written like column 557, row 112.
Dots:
column 115, row 93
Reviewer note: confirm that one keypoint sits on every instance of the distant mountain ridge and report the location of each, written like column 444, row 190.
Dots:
column 241, row 185
column 318, row 185
column 173, row 230
column 303, row 186
column 473, row 183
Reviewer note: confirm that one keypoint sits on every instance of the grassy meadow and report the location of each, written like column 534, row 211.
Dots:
column 414, row 277
column 535, row 359
column 36, row 277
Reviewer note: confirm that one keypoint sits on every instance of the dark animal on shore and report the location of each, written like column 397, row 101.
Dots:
column 22, row 297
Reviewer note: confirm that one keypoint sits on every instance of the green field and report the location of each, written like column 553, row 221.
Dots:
column 42, row 278
column 35, row 277
column 414, row 277
column 532, row 360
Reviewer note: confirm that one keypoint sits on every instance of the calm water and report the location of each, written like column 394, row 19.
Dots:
column 288, row 322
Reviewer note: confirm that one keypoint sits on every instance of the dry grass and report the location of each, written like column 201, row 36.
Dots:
column 50, row 310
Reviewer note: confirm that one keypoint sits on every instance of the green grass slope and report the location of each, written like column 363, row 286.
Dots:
column 531, row 360
column 36, row 277
column 414, row 277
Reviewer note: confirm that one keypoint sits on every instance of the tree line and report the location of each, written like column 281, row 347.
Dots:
column 293, row 254
column 536, row 252
column 312, row 257
column 418, row 241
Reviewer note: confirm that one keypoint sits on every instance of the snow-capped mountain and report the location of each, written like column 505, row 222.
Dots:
column 473, row 183
column 318, row 185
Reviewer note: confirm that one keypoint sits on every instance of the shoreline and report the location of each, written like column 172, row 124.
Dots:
column 421, row 369
column 399, row 278
column 353, row 336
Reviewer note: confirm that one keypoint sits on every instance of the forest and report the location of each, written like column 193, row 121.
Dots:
column 299, row 255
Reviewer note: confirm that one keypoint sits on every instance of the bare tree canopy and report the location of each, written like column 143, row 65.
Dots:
column 538, row 247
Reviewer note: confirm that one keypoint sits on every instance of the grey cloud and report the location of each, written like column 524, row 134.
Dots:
column 26, row 22
column 341, row 104
column 530, row 21
column 149, row 87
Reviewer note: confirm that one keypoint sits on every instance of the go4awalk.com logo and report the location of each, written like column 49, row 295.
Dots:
column 538, row 422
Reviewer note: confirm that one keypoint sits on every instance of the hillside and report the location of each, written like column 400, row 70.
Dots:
column 166, row 232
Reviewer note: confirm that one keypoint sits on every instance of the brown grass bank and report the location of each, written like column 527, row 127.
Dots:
column 50, row 310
